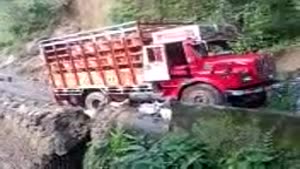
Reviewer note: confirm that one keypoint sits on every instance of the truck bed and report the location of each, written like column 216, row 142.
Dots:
column 102, row 59
column 109, row 57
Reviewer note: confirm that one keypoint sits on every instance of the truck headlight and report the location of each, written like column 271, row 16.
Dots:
column 246, row 77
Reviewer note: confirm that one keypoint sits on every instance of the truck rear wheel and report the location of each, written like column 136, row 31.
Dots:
column 202, row 94
column 95, row 101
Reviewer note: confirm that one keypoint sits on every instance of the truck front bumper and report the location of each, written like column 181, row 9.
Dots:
column 253, row 90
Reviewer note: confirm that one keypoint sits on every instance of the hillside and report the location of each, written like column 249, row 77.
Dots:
column 20, row 54
column 40, row 134
column 263, row 29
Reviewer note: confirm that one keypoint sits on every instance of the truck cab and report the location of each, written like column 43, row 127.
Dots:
column 189, row 67
column 182, row 61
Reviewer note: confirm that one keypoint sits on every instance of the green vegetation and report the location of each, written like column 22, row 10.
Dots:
column 23, row 19
column 284, row 98
column 219, row 143
column 262, row 23
column 204, row 138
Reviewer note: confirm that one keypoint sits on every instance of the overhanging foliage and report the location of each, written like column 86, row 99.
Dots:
column 263, row 23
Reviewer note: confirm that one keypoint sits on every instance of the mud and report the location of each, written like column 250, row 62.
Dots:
column 288, row 60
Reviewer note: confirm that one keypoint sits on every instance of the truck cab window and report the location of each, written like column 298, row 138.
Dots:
column 200, row 49
column 154, row 54
column 175, row 54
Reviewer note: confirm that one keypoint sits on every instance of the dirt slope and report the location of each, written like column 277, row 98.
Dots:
column 289, row 60
column 92, row 13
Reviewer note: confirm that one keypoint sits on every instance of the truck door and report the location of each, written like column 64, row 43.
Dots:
column 155, row 63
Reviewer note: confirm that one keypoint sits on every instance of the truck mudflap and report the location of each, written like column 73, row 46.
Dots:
column 259, row 89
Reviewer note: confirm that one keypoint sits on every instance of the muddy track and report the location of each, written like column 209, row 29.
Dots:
column 18, row 86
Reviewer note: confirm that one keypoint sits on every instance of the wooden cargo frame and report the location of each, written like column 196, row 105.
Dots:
column 57, row 50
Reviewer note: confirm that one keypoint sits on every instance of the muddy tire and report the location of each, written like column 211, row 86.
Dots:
column 202, row 94
column 95, row 101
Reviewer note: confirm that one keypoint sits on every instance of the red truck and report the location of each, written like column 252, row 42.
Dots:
column 187, row 62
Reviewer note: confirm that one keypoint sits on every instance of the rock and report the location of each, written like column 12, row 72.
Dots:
column 32, row 48
column 42, row 134
column 90, row 113
column 166, row 114
column 119, row 104
column 127, row 117
column 148, row 108
column 68, row 128
column 66, row 28
column 7, row 61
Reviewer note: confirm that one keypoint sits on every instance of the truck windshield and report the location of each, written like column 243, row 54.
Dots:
column 218, row 48
column 200, row 49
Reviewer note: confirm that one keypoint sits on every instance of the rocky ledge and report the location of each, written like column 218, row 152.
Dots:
column 36, row 134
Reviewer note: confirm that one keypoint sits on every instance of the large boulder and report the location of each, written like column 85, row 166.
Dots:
column 38, row 135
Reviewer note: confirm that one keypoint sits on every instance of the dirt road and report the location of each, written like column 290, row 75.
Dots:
column 24, row 88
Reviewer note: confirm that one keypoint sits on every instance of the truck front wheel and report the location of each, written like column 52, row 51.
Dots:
column 95, row 101
column 202, row 94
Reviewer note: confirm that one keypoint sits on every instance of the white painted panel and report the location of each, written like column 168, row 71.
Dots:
column 155, row 69
column 176, row 34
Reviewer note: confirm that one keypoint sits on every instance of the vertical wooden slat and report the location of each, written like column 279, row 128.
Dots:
column 140, row 32
column 99, row 65
column 115, row 66
column 129, row 59
column 50, row 73
column 74, row 69
column 86, row 65
column 60, row 68
column 141, row 35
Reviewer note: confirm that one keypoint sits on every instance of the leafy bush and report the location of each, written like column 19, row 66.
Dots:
column 171, row 152
column 124, row 151
column 262, row 23
column 101, row 155
column 228, row 146
column 284, row 98
column 19, row 19
column 252, row 158
column 261, row 155
column 231, row 137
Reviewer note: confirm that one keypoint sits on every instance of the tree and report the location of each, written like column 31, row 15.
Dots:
column 263, row 23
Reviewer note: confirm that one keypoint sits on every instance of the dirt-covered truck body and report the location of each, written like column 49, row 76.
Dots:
column 188, row 62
